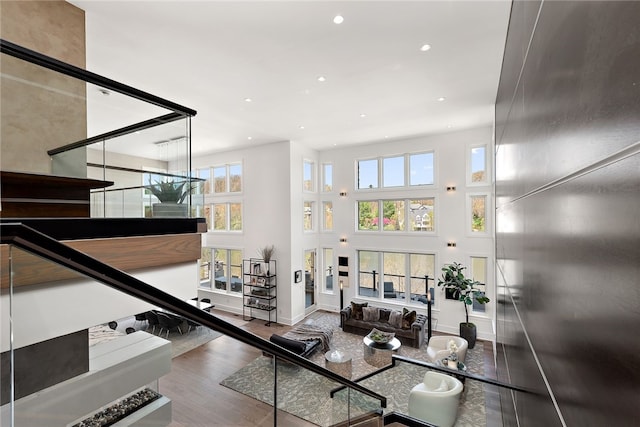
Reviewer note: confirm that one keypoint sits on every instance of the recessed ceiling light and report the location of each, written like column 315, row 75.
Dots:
column 301, row 127
column 322, row 79
column 338, row 19
column 247, row 100
column 442, row 98
column 425, row 47
column 363, row 115
column 249, row 138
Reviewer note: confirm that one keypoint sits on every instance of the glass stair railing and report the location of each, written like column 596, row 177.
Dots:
column 65, row 365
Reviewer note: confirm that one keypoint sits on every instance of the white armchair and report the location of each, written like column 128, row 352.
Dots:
column 436, row 399
column 438, row 347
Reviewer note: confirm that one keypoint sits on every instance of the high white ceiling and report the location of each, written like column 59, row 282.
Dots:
column 213, row 55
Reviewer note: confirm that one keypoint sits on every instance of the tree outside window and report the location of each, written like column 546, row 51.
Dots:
column 220, row 179
column 327, row 208
column 393, row 215
column 220, row 216
column 478, row 214
column 235, row 216
column 235, row 178
column 308, row 216
column 368, row 216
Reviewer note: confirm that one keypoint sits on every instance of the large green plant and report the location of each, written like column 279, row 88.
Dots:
column 463, row 288
column 170, row 191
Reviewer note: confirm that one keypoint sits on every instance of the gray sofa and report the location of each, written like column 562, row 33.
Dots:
column 412, row 336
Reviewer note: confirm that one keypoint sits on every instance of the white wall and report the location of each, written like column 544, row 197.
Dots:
column 49, row 310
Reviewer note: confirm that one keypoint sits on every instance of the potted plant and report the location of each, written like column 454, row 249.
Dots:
column 171, row 195
column 465, row 290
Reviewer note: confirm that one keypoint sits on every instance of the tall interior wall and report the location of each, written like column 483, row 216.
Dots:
column 568, row 203
column 41, row 109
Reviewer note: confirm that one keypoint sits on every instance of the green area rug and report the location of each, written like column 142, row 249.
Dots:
column 306, row 395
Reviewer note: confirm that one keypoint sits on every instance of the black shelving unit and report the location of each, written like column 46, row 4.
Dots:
column 259, row 289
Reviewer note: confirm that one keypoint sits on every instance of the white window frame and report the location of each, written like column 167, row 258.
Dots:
column 324, row 177
column 469, row 215
column 312, row 178
column 487, row 165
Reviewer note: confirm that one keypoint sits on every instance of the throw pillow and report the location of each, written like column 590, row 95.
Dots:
column 370, row 314
column 408, row 317
column 356, row 309
column 384, row 314
column 395, row 319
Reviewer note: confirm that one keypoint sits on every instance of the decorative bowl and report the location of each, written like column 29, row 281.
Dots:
column 380, row 337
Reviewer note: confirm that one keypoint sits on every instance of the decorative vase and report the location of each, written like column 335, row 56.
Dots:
column 468, row 332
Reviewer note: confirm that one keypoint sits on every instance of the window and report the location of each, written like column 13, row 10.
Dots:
column 421, row 214
column 327, row 209
column 479, row 273
column 203, row 187
column 226, row 216
column 421, row 169
column 368, row 173
column 477, row 169
column 368, row 216
column 329, row 271
column 393, row 215
column 205, row 268
column 404, row 277
column 308, row 216
column 227, row 270
column 227, row 178
column 478, row 214
column 393, row 172
column 308, row 173
column 327, row 177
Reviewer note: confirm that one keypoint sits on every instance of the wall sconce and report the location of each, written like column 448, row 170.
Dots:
column 343, row 194
column 451, row 189
column 451, row 244
column 343, row 240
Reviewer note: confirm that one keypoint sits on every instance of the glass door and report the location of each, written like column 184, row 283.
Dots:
column 309, row 279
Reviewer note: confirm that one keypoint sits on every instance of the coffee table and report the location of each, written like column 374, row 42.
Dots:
column 379, row 355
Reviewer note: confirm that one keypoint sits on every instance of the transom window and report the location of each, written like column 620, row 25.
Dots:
column 227, row 178
column 391, row 172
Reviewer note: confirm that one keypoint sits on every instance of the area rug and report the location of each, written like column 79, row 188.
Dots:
column 306, row 395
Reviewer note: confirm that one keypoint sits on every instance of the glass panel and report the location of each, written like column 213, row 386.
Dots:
column 327, row 208
column 479, row 164
column 221, row 274
column 422, row 265
column 307, row 176
column 235, row 261
column 220, row 216
column 328, row 268
column 310, row 277
column 220, row 179
column 204, row 187
column 368, row 173
column 422, row 215
column 368, row 216
column 235, row 214
column 393, row 214
column 394, row 275
column 393, row 172
column 235, row 178
column 478, row 214
column 368, row 272
column 327, row 177
column 308, row 216
column 421, row 169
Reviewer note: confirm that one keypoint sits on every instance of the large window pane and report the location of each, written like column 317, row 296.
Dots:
column 368, row 173
column 220, row 179
column 235, row 263
column 368, row 272
column 235, row 178
column 221, row 266
column 421, row 169
column 422, row 214
column 203, row 187
column 393, row 172
column 220, row 216
column 327, row 177
column 394, row 275
column 368, row 216
column 235, row 216
column 327, row 209
column 478, row 214
column 393, row 215
column 205, row 268
column 422, row 265
column 307, row 176
column 479, row 164
column 308, row 216
column 207, row 215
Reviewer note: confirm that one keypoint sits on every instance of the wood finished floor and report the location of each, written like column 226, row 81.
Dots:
column 198, row 399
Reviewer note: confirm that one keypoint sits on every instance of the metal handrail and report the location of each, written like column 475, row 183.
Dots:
column 42, row 245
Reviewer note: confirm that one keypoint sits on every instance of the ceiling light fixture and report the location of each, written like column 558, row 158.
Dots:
column 301, row 127
column 322, row 79
column 442, row 98
column 338, row 19
column 363, row 115
column 425, row 47
column 249, row 138
column 247, row 100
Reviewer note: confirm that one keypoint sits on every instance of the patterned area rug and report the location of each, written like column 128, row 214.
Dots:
column 306, row 394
